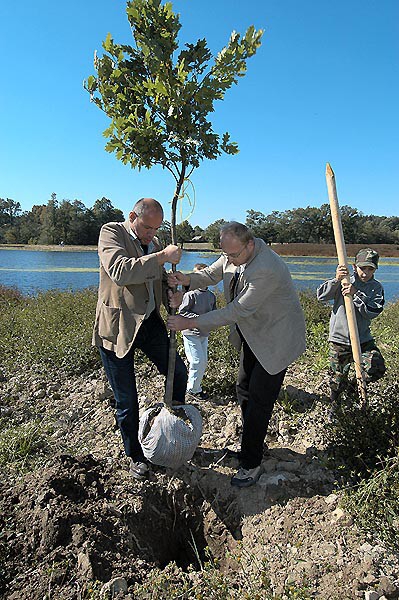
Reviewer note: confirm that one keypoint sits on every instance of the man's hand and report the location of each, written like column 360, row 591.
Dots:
column 171, row 254
column 341, row 272
column 178, row 278
column 178, row 323
column 175, row 299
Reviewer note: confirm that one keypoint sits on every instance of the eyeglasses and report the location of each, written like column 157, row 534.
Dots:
column 235, row 254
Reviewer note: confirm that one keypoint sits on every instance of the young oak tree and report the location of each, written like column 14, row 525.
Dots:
column 159, row 97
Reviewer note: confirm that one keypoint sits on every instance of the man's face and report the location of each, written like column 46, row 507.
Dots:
column 235, row 250
column 364, row 273
column 146, row 226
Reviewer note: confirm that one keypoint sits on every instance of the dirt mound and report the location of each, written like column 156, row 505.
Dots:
column 69, row 526
column 61, row 526
column 80, row 524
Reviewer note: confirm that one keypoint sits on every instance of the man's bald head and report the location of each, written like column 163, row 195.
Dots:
column 147, row 205
column 145, row 219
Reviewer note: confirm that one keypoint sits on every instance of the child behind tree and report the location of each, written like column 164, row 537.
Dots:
column 195, row 303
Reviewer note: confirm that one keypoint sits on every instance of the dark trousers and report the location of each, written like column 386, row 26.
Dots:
column 257, row 392
column 152, row 339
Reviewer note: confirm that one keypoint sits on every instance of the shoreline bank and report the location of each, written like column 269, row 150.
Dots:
column 289, row 250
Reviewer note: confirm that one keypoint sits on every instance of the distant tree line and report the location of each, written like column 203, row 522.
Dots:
column 313, row 225
column 65, row 221
column 70, row 222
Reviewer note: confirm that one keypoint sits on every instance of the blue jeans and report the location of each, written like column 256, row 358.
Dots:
column 196, row 349
column 152, row 339
column 257, row 392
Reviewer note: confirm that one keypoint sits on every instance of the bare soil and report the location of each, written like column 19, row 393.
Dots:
column 79, row 520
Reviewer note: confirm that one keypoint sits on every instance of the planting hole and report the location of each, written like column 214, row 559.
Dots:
column 168, row 527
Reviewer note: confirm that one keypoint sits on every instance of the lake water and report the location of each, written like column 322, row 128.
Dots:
column 32, row 271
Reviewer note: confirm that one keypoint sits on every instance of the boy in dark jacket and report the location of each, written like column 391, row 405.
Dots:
column 368, row 300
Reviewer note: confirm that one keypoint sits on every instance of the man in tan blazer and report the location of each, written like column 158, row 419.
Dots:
column 133, row 283
column 266, row 323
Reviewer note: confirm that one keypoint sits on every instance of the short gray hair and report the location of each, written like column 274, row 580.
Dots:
column 238, row 230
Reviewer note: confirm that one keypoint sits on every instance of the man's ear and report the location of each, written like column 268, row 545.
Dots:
column 132, row 216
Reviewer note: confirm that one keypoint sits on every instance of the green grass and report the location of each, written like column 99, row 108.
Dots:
column 22, row 445
column 47, row 333
column 317, row 317
column 53, row 331
column 361, row 439
column 364, row 444
column 386, row 332
column 375, row 503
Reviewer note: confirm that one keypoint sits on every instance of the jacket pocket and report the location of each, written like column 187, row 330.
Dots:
column 108, row 322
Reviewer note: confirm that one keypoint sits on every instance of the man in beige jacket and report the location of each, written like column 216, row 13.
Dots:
column 133, row 283
column 266, row 323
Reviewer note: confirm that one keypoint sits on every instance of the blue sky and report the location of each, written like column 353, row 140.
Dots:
column 323, row 87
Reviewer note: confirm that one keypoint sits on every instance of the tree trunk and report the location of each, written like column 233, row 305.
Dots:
column 172, row 311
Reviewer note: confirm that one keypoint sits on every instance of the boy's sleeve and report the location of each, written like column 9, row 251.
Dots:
column 328, row 290
column 187, row 304
column 369, row 305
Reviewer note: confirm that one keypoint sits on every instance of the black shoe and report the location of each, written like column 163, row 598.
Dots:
column 199, row 395
column 246, row 477
column 139, row 469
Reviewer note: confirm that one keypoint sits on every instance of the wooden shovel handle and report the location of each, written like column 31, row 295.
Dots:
column 348, row 300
